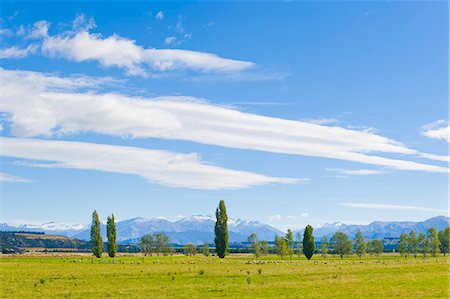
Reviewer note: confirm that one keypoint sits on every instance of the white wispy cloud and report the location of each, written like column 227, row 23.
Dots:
column 8, row 178
column 161, row 167
column 437, row 130
column 297, row 217
column 159, row 15
column 170, row 40
column 350, row 172
column 42, row 104
column 273, row 218
column 390, row 207
column 16, row 52
column 79, row 44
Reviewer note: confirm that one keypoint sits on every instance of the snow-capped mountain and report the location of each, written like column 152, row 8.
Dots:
column 192, row 229
column 50, row 227
column 383, row 229
column 198, row 229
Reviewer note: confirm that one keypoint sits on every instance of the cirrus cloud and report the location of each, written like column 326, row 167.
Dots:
column 161, row 167
column 43, row 104
column 79, row 44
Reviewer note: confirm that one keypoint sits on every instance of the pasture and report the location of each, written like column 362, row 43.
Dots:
column 238, row 276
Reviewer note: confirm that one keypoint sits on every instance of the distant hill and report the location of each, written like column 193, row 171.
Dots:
column 380, row 229
column 17, row 241
column 193, row 229
column 199, row 229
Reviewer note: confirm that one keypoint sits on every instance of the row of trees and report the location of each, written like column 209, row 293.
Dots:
column 96, row 238
column 430, row 243
column 340, row 244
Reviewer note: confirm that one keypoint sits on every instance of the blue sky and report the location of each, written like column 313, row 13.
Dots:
column 293, row 112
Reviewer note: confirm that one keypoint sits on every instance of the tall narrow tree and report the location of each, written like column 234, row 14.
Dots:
column 308, row 242
column 111, row 234
column 96, row 238
column 221, row 230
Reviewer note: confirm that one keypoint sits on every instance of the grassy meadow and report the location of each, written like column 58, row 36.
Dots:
column 238, row 276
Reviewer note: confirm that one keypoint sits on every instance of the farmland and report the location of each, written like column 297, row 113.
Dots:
column 237, row 276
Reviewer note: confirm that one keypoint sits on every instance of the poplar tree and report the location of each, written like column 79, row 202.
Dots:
column 221, row 230
column 308, row 242
column 111, row 234
column 96, row 238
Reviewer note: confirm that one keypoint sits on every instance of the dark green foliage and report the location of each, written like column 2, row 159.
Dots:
column 111, row 234
column 341, row 244
column 96, row 238
column 308, row 242
column 444, row 239
column 221, row 230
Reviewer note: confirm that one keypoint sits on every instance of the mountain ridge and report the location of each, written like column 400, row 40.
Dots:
column 200, row 228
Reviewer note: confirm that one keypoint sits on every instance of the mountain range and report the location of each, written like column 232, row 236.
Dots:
column 199, row 229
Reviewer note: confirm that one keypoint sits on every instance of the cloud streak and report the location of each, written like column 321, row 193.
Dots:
column 16, row 52
column 357, row 172
column 79, row 45
column 439, row 133
column 161, row 167
column 372, row 206
column 46, row 105
column 7, row 178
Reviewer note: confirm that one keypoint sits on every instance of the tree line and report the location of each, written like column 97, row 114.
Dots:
column 432, row 242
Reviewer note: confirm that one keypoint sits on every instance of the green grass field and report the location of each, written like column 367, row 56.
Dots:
column 234, row 276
